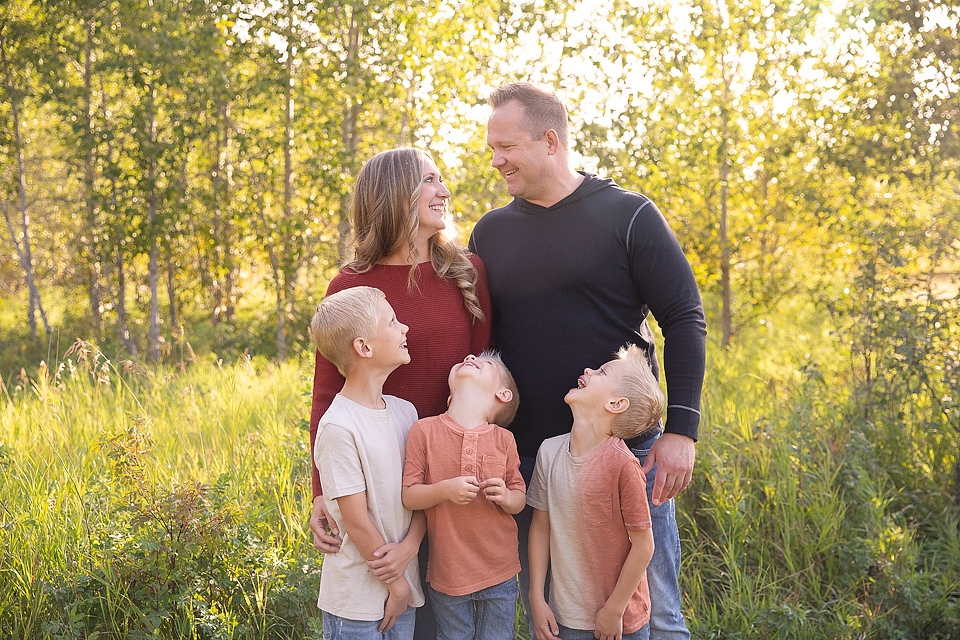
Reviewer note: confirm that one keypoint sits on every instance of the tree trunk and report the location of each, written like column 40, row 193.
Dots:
column 23, row 249
column 171, row 290
column 349, row 133
column 287, row 183
column 726, row 313
column 121, row 305
column 89, row 239
column 153, row 268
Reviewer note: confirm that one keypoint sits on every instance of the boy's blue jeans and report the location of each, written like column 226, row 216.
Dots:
column 663, row 572
column 643, row 633
column 487, row 614
column 337, row 628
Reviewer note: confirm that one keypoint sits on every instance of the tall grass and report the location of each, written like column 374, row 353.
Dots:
column 800, row 523
column 172, row 501
column 162, row 501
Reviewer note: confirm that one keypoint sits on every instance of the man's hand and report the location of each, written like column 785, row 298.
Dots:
column 397, row 603
column 320, row 520
column 390, row 563
column 674, row 455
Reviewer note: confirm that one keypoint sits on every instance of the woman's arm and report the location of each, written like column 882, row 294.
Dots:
column 327, row 381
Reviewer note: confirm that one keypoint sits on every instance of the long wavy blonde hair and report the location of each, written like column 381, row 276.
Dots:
column 384, row 216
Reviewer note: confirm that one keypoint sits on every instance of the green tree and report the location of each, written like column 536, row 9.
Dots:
column 25, row 38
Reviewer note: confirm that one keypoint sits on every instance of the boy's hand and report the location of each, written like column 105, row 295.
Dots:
column 609, row 624
column 462, row 490
column 543, row 620
column 319, row 521
column 397, row 603
column 495, row 489
column 390, row 562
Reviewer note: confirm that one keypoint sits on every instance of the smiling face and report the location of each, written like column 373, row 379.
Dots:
column 479, row 370
column 520, row 159
column 432, row 204
column 389, row 345
column 596, row 387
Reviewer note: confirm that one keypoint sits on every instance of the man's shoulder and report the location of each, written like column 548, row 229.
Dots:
column 622, row 197
column 499, row 214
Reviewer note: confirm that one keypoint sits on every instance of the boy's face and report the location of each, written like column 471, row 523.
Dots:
column 596, row 387
column 389, row 345
column 479, row 371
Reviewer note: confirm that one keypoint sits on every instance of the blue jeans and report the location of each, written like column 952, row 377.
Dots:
column 643, row 633
column 337, row 628
column 487, row 614
column 663, row 572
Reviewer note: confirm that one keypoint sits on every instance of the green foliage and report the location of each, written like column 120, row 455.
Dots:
column 805, row 520
column 102, row 537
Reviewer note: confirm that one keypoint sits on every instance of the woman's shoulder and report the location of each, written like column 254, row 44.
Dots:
column 474, row 260
column 375, row 277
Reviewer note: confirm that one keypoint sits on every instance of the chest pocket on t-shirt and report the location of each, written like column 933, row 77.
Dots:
column 493, row 467
column 597, row 508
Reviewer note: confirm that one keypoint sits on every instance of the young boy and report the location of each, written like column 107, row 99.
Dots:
column 359, row 453
column 464, row 471
column 591, row 521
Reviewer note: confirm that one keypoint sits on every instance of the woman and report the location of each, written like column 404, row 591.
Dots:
column 399, row 215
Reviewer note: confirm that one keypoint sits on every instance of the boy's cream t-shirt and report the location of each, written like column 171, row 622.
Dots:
column 360, row 449
column 592, row 500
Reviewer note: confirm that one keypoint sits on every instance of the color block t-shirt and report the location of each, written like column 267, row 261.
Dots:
column 592, row 501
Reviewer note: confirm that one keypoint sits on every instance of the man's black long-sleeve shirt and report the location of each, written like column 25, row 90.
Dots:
column 573, row 283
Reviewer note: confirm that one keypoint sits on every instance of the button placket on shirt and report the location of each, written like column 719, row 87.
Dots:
column 468, row 455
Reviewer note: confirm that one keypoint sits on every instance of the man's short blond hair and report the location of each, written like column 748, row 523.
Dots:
column 638, row 385
column 340, row 319
column 542, row 109
column 506, row 411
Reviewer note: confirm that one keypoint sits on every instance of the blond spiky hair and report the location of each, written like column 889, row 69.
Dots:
column 637, row 384
column 340, row 319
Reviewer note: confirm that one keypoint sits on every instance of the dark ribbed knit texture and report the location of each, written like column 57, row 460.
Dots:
column 573, row 283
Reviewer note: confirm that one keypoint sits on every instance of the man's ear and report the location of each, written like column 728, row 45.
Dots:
column 618, row 405
column 361, row 348
column 505, row 395
column 553, row 141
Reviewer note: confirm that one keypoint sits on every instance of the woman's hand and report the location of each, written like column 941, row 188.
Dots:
column 320, row 521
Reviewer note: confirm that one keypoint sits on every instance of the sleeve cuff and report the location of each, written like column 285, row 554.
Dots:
column 684, row 421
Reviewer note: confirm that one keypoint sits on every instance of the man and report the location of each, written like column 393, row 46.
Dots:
column 575, row 263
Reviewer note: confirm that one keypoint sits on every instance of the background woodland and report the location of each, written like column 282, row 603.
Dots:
column 174, row 184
